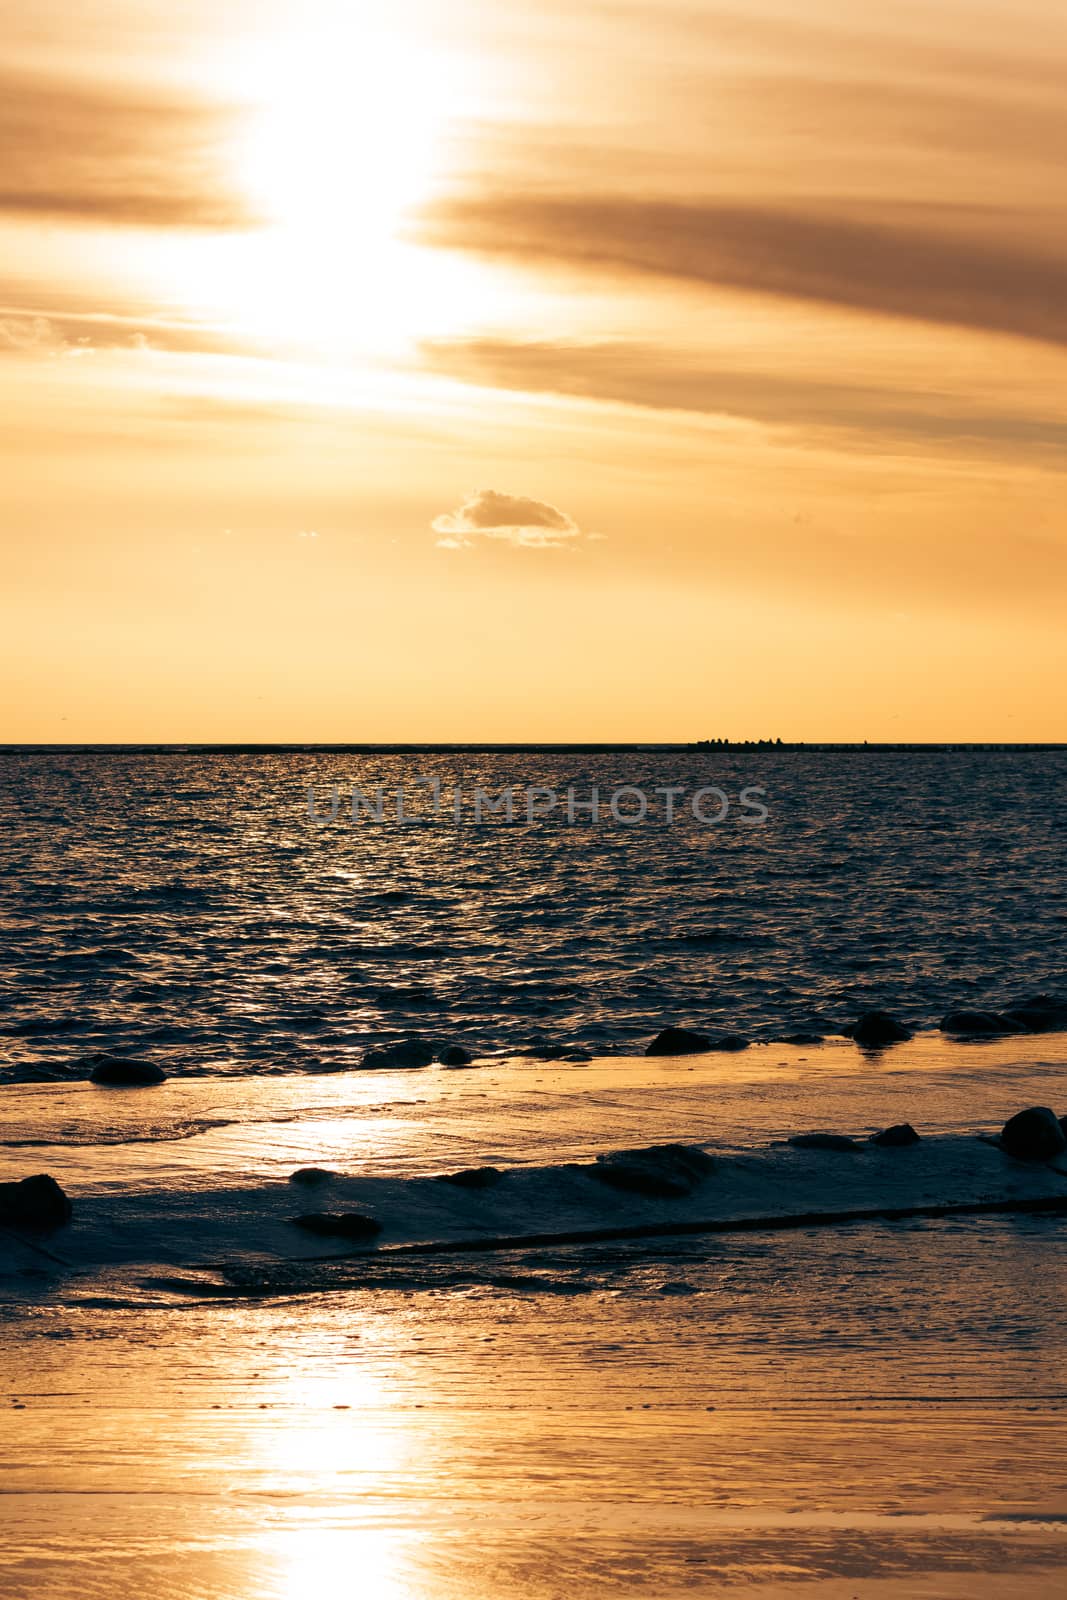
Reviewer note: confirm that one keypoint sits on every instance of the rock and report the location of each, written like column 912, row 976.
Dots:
column 800, row 1038
column 900, row 1134
column 875, row 1029
column 309, row 1176
column 1033, row 1135
column 985, row 1023
column 1041, row 1014
column 662, row 1171
column 472, row 1177
column 404, row 1053
column 115, row 1073
column 729, row 1041
column 677, row 1286
column 339, row 1224
column 635, row 1178
column 578, row 1058
column 36, row 1202
column 824, row 1141
column 678, row 1042
column 454, row 1055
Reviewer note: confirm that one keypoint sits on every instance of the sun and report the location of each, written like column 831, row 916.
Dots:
column 345, row 135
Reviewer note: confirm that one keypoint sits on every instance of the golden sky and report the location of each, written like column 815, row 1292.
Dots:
column 465, row 370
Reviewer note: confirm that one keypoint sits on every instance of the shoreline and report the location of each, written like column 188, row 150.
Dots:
column 724, row 1045
column 197, row 1171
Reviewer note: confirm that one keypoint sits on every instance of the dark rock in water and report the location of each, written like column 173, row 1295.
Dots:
column 36, row 1202
column 687, row 1158
column 662, row 1171
column 472, row 1177
column 454, row 1055
column 900, row 1134
column 677, row 1286
column 405, row 1053
column 636, row 1178
column 1041, row 1014
column 1033, row 1135
column 824, row 1141
column 577, row 1058
column 678, row 1042
column 729, row 1041
column 875, row 1029
column 800, row 1038
column 985, row 1023
column 119, row 1074
column 339, row 1224
column 309, row 1176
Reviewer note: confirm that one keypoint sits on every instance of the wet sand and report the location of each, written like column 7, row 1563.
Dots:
column 874, row 1410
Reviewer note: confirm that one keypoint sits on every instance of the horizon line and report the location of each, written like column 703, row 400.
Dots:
column 561, row 747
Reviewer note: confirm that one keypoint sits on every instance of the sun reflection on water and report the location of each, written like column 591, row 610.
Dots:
column 337, row 1446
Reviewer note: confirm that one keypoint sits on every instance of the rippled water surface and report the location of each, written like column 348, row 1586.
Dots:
column 183, row 906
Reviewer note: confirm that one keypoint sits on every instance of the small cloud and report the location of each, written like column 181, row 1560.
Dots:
column 488, row 514
column 23, row 334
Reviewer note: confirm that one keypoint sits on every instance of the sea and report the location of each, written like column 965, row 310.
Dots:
column 269, row 912
column 831, row 1368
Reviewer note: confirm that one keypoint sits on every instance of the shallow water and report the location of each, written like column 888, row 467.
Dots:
column 182, row 905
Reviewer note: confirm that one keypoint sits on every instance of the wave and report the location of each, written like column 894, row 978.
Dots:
column 167, row 1133
column 246, row 1237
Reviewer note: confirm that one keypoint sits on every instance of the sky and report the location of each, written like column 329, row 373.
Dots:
column 459, row 370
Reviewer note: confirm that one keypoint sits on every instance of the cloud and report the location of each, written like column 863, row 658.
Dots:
column 892, row 263
column 104, row 154
column 488, row 514
column 26, row 335
column 663, row 379
column 42, row 329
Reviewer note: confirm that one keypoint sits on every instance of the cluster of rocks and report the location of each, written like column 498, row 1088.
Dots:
column 876, row 1030
column 897, row 1137
column 1036, row 1134
column 663, row 1171
column 416, row 1053
column 684, row 1042
column 119, row 1072
column 1040, row 1014
column 873, row 1030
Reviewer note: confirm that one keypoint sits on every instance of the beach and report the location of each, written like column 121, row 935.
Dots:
column 209, row 1402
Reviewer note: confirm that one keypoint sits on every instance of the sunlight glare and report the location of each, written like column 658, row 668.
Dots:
column 345, row 136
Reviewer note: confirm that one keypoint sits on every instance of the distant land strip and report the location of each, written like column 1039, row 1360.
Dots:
column 693, row 747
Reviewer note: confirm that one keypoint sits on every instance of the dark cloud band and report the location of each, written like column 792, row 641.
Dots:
column 884, row 266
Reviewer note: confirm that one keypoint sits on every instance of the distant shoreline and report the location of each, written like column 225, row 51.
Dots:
column 694, row 747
